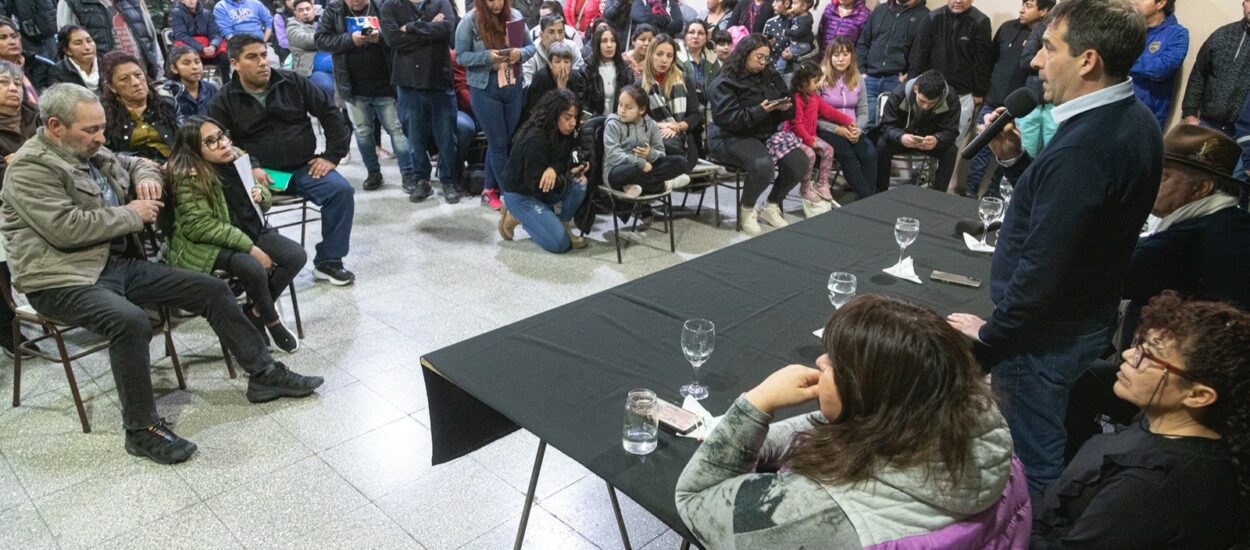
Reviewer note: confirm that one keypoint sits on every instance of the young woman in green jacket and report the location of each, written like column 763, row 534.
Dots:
column 219, row 224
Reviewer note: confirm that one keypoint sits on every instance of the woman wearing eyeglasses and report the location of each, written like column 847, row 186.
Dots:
column 1179, row 476
column 219, row 224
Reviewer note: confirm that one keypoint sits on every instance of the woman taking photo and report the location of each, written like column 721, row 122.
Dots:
column 843, row 89
column 907, row 444
column 140, row 122
column 604, row 74
column 1178, row 477
column 186, row 84
column 492, row 71
column 78, row 63
column 749, row 101
column 541, row 174
column 219, row 225
column 673, row 103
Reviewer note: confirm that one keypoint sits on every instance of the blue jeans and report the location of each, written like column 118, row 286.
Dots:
column 337, row 200
column 363, row 111
column 875, row 86
column 466, row 130
column 1033, row 377
column 981, row 162
column 425, row 112
column 498, row 110
column 540, row 221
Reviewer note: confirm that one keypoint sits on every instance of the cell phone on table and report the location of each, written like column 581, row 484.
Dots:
column 676, row 419
column 955, row 279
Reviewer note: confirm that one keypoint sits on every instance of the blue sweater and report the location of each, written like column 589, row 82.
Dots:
column 244, row 16
column 187, row 24
column 1154, row 74
column 1064, row 248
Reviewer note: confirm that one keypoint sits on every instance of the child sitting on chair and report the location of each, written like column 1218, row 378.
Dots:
column 809, row 109
column 633, row 151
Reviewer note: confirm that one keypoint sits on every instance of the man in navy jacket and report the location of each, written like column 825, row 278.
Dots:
column 1167, row 43
column 1064, row 248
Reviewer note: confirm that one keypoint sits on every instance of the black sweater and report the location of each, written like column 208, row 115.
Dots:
column 885, row 43
column 960, row 46
column 532, row 155
column 1063, row 251
column 1007, row 76
column 1220, row 79
column 736, row 110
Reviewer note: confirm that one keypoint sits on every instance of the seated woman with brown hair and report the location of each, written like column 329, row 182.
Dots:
column 907, row 449
column 140, row 122
column 1179, row 476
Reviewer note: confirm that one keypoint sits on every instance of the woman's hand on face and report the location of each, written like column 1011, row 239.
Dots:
column 548, row 180
column 790, row 386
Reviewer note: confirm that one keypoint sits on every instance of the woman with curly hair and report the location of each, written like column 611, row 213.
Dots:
column 1179, row 476
column 140, row 122
column 540, row 174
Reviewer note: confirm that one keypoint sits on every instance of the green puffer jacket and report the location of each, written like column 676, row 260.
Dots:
column 202, row 229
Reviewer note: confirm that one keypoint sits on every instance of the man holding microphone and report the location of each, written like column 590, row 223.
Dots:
column 1066, row 240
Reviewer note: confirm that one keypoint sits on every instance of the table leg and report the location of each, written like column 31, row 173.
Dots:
column 529, row 495
column 620, row 521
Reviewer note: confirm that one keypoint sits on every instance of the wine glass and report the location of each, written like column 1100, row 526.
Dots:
column 989, row 210
column 841, row 288
column 905, row 232
column 698, row 338
column 1004, row 190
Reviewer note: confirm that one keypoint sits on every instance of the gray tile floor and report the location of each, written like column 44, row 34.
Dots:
column 350, row 467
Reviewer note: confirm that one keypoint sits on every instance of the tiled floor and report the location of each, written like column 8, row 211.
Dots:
column 350, row 467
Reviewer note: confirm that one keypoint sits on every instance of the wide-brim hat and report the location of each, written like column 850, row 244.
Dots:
column 1204, row 149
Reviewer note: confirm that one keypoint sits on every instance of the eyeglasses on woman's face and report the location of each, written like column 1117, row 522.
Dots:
column 217, row 140
column 1147, row 359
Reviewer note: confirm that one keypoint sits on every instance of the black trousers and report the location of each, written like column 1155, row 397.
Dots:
column 108, row 308
column 663, row 169
column 751, row 155
column 885, row 154
column 264, row 287
column 858, row 161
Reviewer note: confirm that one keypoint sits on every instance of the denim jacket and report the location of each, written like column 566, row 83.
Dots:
column 472, row 53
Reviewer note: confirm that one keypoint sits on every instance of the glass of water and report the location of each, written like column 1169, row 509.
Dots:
column 989, row 210
column 640, row 433
column 1005, row 189
column 905, row 232
column 698, row 339
column 841, row 288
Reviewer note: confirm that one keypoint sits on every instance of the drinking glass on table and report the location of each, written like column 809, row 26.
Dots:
column 905, row 232
column 641, row 426
column 989, row 210
column 1004, row 190
column 698, row 338
column 841, row 288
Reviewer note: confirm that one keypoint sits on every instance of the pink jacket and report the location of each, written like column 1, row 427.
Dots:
column 807, row 111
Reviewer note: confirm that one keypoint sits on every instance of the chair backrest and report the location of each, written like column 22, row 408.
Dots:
column 6, row 286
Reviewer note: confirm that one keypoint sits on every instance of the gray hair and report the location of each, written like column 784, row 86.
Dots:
column 8, row 68
column 561, row 50
column 61, row 102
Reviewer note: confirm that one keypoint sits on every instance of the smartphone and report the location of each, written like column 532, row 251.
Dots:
column 676, row 419
column 955, row 279
column 366, row 31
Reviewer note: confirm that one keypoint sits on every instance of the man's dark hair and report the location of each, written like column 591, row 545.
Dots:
column 931, row 84
column 1043, row 4
column 1110, row 27
column 552, row 6
column 240, row 41
column 549, row 20
column 298, row 2
column 1168, row 8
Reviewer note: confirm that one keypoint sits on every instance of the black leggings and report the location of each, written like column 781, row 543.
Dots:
column 261, row 287
column 858, row 161
column 662, row 170
column 751, row 155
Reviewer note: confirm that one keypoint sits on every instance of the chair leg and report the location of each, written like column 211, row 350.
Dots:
column 17, row 364
column 616, row 233
column 169, row 349
column 303, row 224
column 668, row 223
column 715, row 201
column 299, row 323
column 73, row 383
column 229, row 362
column 738, row 197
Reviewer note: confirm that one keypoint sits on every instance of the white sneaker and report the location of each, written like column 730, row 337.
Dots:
column 813, row 209
column 750, row 220
column 633, row 191
column 678, row 182
column 771, row 214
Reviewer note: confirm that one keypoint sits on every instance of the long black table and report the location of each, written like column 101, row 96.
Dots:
column 563, row 374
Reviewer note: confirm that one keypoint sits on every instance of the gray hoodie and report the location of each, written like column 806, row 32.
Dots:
column 620, row 138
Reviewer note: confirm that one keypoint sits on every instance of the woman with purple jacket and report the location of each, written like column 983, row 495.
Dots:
column 843, row 89
column 842, row 18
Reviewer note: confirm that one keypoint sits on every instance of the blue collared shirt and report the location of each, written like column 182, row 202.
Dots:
column 1105, row 96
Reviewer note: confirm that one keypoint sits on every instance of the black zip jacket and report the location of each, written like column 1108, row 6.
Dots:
column 1221, row 76
column 902, row 115
column 332, row 37
column 592, row 91
column 736, row 109
column 886, row 40
column 960, row 46
column 1009, row 43
column 420, row 47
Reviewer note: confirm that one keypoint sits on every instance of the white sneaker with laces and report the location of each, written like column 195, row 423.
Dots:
column 678, row 182
column 771, row 215
column 750, row 220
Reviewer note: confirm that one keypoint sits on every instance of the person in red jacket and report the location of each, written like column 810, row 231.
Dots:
column 581, row 13
column 809, row 109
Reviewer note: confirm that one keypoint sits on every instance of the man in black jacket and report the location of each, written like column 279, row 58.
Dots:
column 1063, row 251
column 884, row 46
column 362, row 76
column 955, row 40
column 266, row 113
column 1220, row 81
column 921, row 116
column 420, row 35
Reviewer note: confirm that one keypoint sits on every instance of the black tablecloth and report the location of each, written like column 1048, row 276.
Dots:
column 564, row 374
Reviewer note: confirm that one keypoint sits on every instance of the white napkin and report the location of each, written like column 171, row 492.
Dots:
column 904, row 270
column 709, row 422
column 819, row 333
column 974, row 244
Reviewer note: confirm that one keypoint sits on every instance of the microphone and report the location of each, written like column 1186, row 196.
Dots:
column 1019, row 103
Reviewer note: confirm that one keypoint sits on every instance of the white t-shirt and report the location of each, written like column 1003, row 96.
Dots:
column 607, row 72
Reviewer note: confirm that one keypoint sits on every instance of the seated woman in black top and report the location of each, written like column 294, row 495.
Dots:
column 749, row 101
column 76, row 59
column 540, row 174
column 1179, row 476
column 140, row 122
column 604, row 74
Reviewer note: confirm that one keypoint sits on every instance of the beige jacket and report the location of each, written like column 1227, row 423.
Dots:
column 54, row 221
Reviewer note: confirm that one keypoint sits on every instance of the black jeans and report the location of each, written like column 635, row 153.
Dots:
column 108, row 308
column 662, row 170
column 751, row 155
column 263, row 288
column 858, row 161
column 885, row 154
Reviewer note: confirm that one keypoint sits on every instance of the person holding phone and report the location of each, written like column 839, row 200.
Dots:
column 921, row 116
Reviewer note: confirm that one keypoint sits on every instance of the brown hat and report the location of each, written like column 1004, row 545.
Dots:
column 1203, row 149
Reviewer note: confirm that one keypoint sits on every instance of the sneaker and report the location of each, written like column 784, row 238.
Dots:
column 507, row 223
column 335, row 273
column 421, row 192
column 813, row 209
column 750, row 220
column 577, row 241
column 808, row 191
column 372, row 182
column 824, row 191
column 278, row 381
column 283, row 338
column 678, row 182
column 491, row 198
column 771, row 214
column 451, row 194
column 409, row 181
column 632, row 191
column 159, row 444
column 256, row 321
